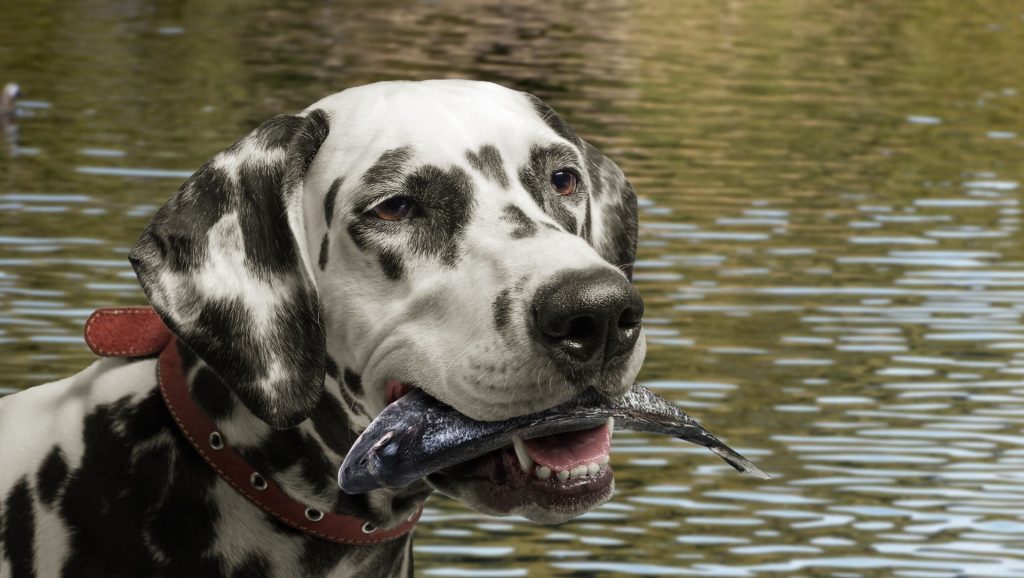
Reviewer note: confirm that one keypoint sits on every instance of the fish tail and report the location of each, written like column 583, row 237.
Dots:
column 734, row 459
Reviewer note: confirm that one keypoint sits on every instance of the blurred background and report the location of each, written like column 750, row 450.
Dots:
column 830, row 243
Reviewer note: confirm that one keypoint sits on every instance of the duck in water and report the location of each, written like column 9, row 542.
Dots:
column 8, row 114
column 8, row 100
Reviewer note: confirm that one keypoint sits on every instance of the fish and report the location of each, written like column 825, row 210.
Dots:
column 418, row 435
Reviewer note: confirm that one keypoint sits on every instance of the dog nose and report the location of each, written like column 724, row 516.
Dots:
column 587, row 317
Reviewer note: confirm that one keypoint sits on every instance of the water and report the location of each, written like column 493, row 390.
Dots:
column 831, row 253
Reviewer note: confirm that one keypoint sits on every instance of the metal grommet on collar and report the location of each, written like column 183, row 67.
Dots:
column 369, row 528
column 258, row 481
column 216, row 440
column 314, row 515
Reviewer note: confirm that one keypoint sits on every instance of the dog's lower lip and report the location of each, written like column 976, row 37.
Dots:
column 508, row 486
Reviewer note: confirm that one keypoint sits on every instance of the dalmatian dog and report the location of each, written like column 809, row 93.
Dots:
column 453, row 236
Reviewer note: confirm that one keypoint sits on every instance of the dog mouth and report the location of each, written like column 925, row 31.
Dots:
column 548, row 479
column 548, row 466
column 564, row 473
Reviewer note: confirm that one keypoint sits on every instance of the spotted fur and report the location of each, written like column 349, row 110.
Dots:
column 295, row 307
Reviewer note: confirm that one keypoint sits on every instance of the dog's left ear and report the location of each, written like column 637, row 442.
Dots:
column 613, row 225
column 225, row 264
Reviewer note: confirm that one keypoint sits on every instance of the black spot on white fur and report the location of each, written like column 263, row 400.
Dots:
column 331, row 367
column 211, row 395
column 353, row 381
column 135, row 480
column 502, row 309
column 391, row 263
column 51, row 476
column 253, row 565
column 522, row 226
column 17, row 531
column 448, row 198
column 445, row 197
column 488, row 162
column 330, row 425
column 324, row 244
column 330, row 198
column 388, row 169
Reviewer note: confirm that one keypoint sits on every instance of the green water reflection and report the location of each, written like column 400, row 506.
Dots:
column 830, row 249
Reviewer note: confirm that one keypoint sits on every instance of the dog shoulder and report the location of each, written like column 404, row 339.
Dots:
column 53, row 415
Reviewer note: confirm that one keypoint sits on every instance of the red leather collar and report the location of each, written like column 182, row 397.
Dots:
column 138, row 332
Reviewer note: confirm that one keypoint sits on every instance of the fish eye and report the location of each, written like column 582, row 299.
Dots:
column 564, row 181
column 394, row 208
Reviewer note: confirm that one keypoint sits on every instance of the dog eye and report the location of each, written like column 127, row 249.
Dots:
column 564, row 182
column 394, row 209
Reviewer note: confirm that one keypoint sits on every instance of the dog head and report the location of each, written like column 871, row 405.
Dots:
column 454, row 236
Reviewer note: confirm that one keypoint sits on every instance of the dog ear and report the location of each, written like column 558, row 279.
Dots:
column 613, row 213
column 225, row 264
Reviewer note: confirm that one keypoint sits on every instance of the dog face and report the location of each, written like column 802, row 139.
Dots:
column 453, row 236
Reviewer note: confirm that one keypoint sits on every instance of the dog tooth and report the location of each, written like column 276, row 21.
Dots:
column 592, row 469
column 525, row 461
column 578, row 472
column 562, row 475
column 543, row 473
column 604, row 461
column 611, row 428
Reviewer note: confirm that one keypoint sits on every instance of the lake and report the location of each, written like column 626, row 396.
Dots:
column 830, row 247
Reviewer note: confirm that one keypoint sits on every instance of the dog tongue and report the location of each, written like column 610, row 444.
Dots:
column 565, row 451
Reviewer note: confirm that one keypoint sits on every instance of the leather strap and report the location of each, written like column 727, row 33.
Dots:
column 138, row 331
column 126, row 332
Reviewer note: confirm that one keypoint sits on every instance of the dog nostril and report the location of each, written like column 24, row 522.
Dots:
column 581, row 328
column 630, row 318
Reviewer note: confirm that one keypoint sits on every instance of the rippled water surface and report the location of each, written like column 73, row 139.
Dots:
column 831, row 251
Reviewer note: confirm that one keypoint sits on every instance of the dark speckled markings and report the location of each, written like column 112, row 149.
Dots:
column 324, row 244
column 140, row 501
column 18, row 532
column 251, row 203
column 388, row 169
column 354, row 382
column 329, row 200
column 211, row 394
column 535, row 176
column 51, row 476
column 609, row 189
column 253, row 565
column 522, row 226
column 613, row 193
column 489, row 163
column 502, row 309
column 133, row 482
column 446, row 200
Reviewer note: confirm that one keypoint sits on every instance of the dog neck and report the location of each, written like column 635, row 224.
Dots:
column 303, row 460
